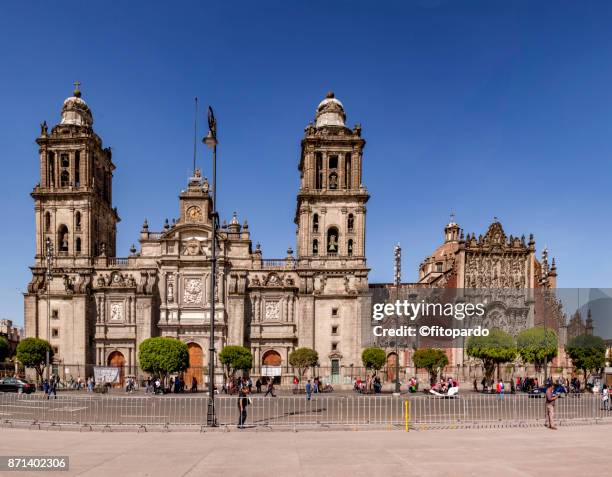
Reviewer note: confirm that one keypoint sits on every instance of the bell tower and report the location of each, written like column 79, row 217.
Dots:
column 330, row 214
column 73, row 200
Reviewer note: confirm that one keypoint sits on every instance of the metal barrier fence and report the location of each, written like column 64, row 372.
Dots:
column 488, row 409
column 192, row 410
column 294, row 411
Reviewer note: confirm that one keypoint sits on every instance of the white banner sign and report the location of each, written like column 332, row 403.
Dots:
column 106, row 374
column 270, row 370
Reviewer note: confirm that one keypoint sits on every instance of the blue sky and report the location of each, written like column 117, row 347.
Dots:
column 484, row 108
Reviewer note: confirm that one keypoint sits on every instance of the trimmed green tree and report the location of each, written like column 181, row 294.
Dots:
column 32, row 353
column 5, row 348
column 537, row 345
column 303, row 358
column 587, row 353
column 374, row 358
column 494, row 349
column 235, row 358
column 431, row 359
column 161, row 356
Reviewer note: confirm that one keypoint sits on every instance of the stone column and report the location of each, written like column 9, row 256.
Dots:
column 163, row 279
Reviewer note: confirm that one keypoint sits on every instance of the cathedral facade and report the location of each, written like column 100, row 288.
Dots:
column 95, row 308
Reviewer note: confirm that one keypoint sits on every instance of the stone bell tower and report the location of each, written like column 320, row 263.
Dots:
column 73, row 200
column 331, row 201
column 330, row 218
column 73, row 209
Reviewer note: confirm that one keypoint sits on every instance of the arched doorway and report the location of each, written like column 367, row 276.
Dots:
column 271, row 363
column 117, row 360
column 196, row 365
column 391, row 363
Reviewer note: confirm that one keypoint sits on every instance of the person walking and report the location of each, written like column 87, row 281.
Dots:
column 194, row 384
column 52, row 388
column 243, row 402
column 308, row 390
column 270, row 389
column 551, row 397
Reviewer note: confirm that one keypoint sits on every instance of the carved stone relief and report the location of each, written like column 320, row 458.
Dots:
column 193, row 291
column 272, row 311
column 116, row 311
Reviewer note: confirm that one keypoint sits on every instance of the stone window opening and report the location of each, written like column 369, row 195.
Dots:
column 55, row 350
column 334, row 330
column 77, row 168
column 78, row 245
column 47, row 221
column 51, row 170
column 350, row 222
column 334, row 346
column 64, row 161
column 332, row 241
column 319, row 171
column 350, row 248
column 62, row 238
column 439, row 267
column 77, row 220
column 334, row 311
column 54, row 333
column 333, row 162
column 315, row 223
column 55, row 314
column 64, row 179
column 347, row 171
column 315, row 247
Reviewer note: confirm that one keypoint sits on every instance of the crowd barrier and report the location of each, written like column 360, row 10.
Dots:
column 294, row 411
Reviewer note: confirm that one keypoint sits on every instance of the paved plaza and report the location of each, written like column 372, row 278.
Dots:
column 504, row 452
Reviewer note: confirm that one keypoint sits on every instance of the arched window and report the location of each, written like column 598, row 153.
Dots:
column 315, row 247
column 332, row 241
column 78, row 245
column 350, row 247
column 315, row 223
column 77, row 220
column 64, row 161
column 350, row 223
column 62, row 238
column 47, row 221
column 347, row 171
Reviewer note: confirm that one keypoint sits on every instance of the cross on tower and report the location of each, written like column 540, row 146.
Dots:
column 76, row 85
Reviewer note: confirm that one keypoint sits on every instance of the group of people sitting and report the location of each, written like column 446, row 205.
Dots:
column 444, row 385
column 371, row 384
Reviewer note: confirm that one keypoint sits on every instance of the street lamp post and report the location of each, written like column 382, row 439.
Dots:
column 398, row 279
column 49, row 257
column 211, row 141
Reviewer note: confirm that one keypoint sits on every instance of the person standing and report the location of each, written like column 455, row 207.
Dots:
column 194, row 384
column 258, row 385
column 605, row 398
column 308, row 390
column 551, row 397
column 243, row 402
column 296, row 383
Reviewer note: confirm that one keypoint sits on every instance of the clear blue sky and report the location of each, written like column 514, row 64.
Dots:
column 485, row 108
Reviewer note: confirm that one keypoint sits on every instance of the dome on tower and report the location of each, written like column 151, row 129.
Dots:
column 330, row 112
column 75, row 111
